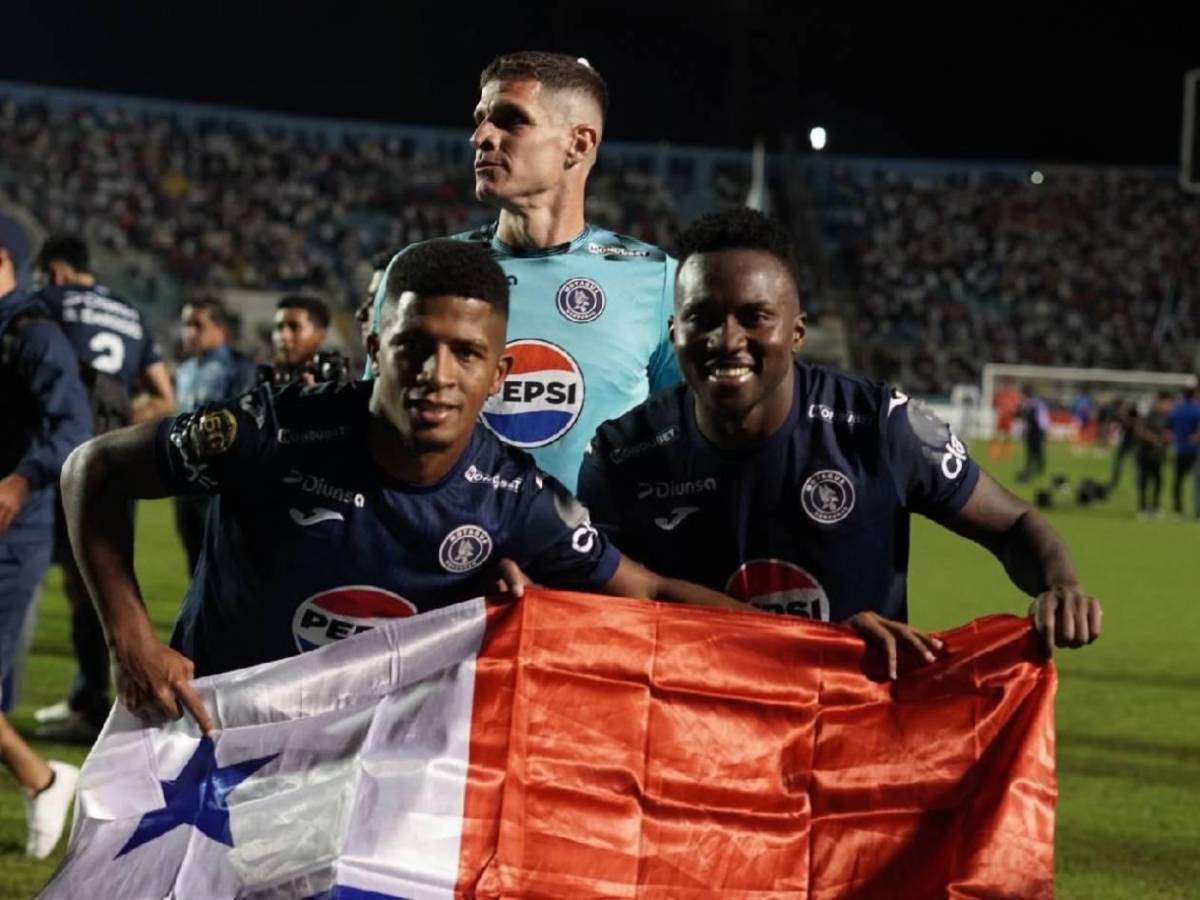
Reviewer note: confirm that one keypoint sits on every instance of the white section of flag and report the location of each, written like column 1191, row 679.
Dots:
column 386, row 714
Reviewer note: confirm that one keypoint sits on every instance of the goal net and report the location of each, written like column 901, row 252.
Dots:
column 1059, row 387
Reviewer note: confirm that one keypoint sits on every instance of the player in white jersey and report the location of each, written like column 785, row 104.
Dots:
column 588, row 321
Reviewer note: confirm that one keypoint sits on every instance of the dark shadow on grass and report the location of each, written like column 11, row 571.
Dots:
column 1186, row 753
column 1134, row 679
column 1163, row 774
column 1162, row 864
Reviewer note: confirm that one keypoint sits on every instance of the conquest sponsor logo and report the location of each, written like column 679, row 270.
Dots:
column 310, row 435
column 315, row 484
column 661, row 490
column 623, row 454
column 832, row 416
column 614, row 250
column 496, row 483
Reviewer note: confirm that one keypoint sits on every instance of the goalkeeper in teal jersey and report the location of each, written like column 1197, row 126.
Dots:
column 588, row 320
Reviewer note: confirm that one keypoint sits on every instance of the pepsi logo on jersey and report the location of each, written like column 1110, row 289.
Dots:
column 778, row 586
column 541, row 398
column 345, row 611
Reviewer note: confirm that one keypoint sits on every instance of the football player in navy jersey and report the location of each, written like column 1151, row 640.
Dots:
column 109, row 335
column 126, row 381
column 789, row 485
column 342, row 505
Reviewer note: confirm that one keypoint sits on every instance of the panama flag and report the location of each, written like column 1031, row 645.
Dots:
column 568, row 745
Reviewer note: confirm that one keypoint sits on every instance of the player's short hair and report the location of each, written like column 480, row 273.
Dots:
column 446, row 267
column 740, row 228
column 216, row 310
column 318, row 312
column 64, row 248
column 557, row 71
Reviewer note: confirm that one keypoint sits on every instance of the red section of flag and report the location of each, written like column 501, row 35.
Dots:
column 624, row 749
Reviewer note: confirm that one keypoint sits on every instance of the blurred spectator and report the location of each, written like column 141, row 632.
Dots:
column 1184, row 423
column 1035, row 426
column 1093, row 268
column 213, row 371
column 1153, row 438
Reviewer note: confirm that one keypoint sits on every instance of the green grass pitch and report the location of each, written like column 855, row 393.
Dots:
column 1128, row 707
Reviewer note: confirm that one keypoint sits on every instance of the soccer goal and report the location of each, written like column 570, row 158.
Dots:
column 1059, row 385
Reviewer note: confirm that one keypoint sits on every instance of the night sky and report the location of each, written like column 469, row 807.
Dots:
column 991, row 81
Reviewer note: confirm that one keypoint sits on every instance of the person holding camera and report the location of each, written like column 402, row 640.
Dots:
column 301, row 323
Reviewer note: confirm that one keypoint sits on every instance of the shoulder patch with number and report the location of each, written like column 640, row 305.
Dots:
column 213, row 433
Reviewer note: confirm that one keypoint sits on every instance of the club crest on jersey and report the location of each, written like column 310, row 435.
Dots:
column 465, row 548
column 580, row 300
column 777, row 586
column 827, row 496
column 541, row 398
column 343, row 612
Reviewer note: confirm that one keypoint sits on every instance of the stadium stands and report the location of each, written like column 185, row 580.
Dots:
column 933, row 268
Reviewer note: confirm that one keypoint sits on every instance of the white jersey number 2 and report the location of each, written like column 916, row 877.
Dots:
column 110, row 352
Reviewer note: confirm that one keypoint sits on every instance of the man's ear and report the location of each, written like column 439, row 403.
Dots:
column 671, row 329
column 584, row 138
column 373, row 350
column 799, row 331
column 503, row 366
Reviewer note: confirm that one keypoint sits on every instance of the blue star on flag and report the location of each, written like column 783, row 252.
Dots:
column 196, row 797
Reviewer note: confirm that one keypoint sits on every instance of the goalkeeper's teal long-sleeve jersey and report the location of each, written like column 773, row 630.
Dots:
column 587, row 328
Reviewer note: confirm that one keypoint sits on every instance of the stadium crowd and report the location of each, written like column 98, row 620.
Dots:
column 225, row 203
column 1097, row 269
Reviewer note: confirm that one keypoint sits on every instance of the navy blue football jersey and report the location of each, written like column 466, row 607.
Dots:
column 107, row 333
column 309, row 541
column 813, row 522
